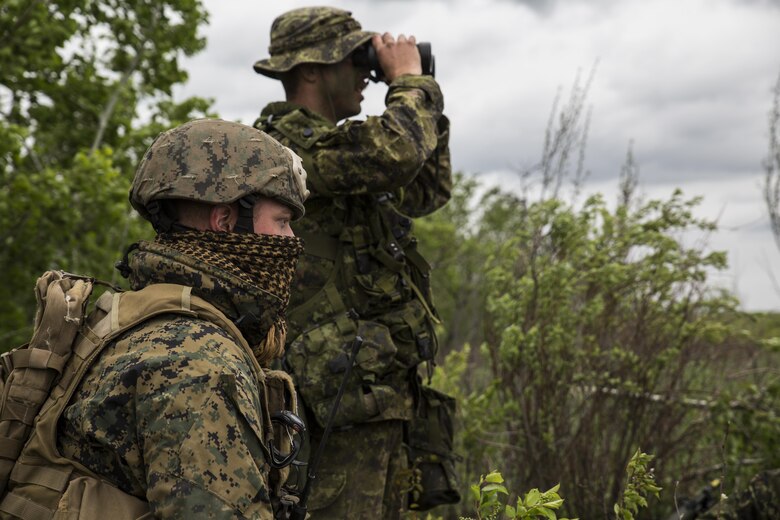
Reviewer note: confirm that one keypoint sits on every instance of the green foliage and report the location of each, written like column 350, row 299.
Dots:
column 76, row 75
column 590, row 330
column 746, row 421
column 455, row 255
column 537, row 504
column 487, row 496
column 639, row 484
column 490, row 497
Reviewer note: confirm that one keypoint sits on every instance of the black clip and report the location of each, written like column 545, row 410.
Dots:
column 289, row 420
column 123, row 265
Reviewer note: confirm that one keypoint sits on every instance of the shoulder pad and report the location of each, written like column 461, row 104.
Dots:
column 299, row 128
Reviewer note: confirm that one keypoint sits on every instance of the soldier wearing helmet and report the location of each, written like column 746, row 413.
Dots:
column 361, row 273
column 178, row 410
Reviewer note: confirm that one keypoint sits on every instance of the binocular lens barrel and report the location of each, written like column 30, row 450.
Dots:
column 366, row 57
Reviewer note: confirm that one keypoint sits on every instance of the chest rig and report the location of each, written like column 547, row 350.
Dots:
column 360, row 254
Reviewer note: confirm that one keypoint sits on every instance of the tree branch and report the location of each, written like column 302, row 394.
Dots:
column 108, row 111
column 772, row 166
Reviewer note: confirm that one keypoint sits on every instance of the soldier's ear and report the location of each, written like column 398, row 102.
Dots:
column 223, row 218
column 308, row 72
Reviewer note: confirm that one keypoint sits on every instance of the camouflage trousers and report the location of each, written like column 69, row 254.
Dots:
column 362, row 473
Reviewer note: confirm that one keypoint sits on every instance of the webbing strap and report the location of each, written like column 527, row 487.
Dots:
column 104, row 302
column 115, row 311
column 303, row 311
column 380, row 253
column 360, row 237
column 101, row 329
column 37, row 358
column 416, row 259
column 10, row 448
column 23, row 508
column 47, row 477
column 7, row 363
column 186, row 298
column 420, row 297
column 334, row 297
column 16, row 411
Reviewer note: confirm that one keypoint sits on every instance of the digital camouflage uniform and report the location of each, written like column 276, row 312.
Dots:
column 175, row 411
column 368, row 179
column 171, row 411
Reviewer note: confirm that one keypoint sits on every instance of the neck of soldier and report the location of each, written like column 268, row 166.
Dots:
column 321, row 107
column 316, row 97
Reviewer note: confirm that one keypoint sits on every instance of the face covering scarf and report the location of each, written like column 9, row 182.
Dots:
column 266, row 262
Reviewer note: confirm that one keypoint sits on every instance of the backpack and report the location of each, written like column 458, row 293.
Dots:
column 27, row 373
column 38, row 379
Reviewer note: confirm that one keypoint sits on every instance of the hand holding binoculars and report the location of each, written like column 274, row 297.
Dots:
column 366, row 57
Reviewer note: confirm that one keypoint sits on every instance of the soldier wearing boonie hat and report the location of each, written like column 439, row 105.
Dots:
column 311, row 35
column 360, row 274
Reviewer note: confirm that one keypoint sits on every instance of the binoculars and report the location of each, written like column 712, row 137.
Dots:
column 365, row 56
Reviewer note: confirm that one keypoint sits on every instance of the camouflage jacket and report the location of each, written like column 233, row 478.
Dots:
column 171, row 411
column 368, row 180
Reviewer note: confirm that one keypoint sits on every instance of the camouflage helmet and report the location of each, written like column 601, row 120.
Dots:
column 217, row 162
column 311, row 35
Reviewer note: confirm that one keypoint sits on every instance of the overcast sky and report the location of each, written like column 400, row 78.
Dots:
column 688, row 81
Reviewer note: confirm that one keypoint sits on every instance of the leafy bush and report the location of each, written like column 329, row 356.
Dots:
column 590, row 331
column 76, row 78
column 489, row 505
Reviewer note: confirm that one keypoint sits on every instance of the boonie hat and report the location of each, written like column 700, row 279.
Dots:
column 311, row 35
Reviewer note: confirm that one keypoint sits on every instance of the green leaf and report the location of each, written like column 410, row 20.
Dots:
column 532, row 497
column 474, row 489
column 494, row 488
column 495, row 477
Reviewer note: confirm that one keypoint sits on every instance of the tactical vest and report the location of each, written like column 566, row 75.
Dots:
column 378, row 287
column 39, row 379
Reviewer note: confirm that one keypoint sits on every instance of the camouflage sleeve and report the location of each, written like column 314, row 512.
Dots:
column 172, row 411
column 198, row 412
column 383, row 153
column 432, row 187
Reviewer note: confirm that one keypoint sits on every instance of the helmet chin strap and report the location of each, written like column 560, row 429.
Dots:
column 161, row 220
column 245, row 222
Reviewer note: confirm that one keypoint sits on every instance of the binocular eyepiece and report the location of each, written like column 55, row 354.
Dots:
column 366, row 56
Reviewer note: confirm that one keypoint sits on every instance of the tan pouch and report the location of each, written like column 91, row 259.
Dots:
column 87, row 498
column 280, row 395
